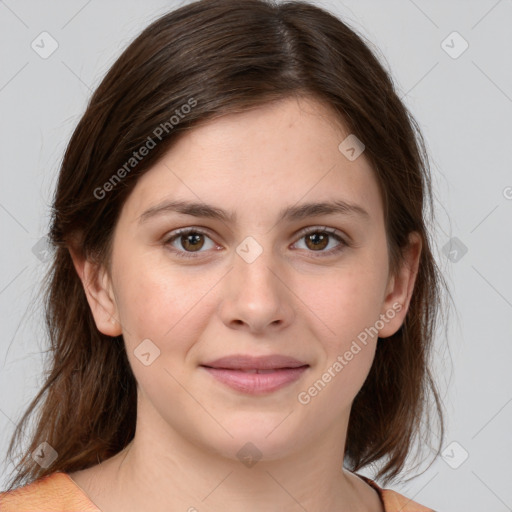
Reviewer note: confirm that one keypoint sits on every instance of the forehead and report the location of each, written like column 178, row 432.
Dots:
column 275, row 155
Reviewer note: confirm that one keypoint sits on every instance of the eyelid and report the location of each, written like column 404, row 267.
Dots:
column 314, row 229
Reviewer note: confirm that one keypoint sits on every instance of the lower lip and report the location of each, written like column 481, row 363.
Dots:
column 257, row 383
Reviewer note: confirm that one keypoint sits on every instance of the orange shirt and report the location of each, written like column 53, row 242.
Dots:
column 58, row 492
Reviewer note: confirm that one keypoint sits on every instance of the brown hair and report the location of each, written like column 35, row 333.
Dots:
column 220, row 57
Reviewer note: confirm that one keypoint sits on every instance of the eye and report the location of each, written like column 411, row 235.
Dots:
column 191, row 241
column 317, row 239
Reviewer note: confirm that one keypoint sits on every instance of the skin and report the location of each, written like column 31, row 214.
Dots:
column 290, row 300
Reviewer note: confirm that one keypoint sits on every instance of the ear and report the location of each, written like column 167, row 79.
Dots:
column 98, row 290
column 399, row 289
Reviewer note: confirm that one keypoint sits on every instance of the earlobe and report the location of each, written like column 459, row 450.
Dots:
column 400, row 288
column 98, row 290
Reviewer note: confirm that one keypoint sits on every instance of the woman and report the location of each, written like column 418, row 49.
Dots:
column 243, row 296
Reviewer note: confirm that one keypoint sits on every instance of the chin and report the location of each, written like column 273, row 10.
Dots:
column 258, row 437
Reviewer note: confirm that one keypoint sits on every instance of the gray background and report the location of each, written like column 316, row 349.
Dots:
column 464, row 107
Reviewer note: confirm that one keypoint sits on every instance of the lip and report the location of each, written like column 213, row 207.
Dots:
column 245, row 362
column 240, row 372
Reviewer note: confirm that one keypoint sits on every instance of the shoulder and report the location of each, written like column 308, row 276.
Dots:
column 393, row 501
column 52, row 493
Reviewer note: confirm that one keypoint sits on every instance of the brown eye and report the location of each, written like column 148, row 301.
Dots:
column 187, row 242
column 317, row 240
column 192, row 242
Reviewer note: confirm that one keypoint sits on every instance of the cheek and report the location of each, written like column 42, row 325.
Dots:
column 161, row 302
column 347, row 312
column 344, row 301
column 345, row 306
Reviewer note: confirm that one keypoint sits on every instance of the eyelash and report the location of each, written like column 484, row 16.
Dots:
column 307, row 231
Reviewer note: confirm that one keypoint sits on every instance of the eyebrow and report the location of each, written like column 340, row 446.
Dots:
column 290, row 213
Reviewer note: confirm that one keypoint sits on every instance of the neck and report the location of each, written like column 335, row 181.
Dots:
column 161, row 470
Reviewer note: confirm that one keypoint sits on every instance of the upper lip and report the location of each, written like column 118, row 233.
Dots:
column 245, row 362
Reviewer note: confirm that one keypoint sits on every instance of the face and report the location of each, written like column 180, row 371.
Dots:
column 254, row 283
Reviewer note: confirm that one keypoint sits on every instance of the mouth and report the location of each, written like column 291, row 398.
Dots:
column 248, row 362
column 256, row 375
column 251, row 370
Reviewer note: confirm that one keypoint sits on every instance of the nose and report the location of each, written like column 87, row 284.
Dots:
column 256, row 296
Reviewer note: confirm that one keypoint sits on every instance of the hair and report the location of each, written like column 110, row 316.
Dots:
column 196, row 63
